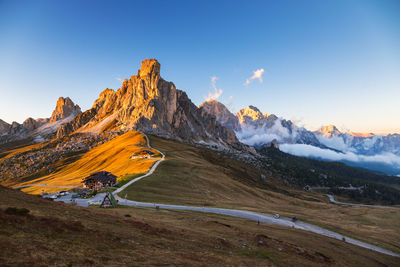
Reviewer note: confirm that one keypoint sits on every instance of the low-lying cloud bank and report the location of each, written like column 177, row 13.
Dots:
column 255, row 136
column 309, row 151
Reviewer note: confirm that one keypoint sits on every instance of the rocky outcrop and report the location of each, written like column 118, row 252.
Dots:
column 148, row 103
column 38, row 129
column 221, row 113
column 4, row 127
column 76, row 123
column 31, row 124
column 64, row 108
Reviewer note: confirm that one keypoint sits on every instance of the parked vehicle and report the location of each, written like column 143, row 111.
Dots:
column 51, row 196
column 63, row 193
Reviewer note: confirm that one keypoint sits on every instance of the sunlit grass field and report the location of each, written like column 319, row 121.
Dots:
column 113, row 156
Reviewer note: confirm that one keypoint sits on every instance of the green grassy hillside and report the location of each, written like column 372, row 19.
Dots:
column 194, row 176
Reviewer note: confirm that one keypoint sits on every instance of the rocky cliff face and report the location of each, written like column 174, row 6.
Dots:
column 149, row 103
column 64, row 108
column 221, row 113
column 39, row 129
column 4, row 127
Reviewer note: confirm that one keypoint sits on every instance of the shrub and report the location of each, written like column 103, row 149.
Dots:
column 16, row 211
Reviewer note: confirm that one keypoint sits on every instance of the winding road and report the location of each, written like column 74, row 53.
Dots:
column 332, row 200
column 262, row 217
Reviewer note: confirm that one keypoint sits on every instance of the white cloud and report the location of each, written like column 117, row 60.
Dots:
column 254, row 136
column 257, row 74
column 330, row 155
column 335, row 142
column 217, row 92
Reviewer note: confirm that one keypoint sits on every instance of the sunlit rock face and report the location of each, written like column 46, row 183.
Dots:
column 149, row 103
column 221, row 113
column 329, row 131
column 64, row 108
column 249, row 114
column 252, row 117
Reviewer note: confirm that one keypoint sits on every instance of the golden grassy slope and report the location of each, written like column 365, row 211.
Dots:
column 113, row 156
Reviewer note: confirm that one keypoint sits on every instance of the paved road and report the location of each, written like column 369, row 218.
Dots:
column 332, row 199
column 82, row 202
column 153, row 168
column 262, row 217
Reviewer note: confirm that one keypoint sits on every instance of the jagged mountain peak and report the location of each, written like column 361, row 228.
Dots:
column 329, row 131
column 148, row 103
column 150, row 67
column 251, row 113
column 65, row 107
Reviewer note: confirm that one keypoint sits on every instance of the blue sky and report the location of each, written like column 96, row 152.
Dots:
column 325, row 62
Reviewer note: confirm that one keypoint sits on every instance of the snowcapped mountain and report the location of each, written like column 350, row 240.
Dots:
column 364, row 144
column 252, row 127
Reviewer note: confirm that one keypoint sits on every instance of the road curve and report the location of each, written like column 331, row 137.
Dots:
column 262, row 217
column 153, row 168
column 332, row 200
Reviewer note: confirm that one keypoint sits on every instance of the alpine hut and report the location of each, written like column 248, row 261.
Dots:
column 98, row 180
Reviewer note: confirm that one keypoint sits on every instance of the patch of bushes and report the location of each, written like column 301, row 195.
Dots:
column 16, row 211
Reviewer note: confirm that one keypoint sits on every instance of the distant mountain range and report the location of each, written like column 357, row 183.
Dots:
column 252, row 127
column 365, row 144
column 148, row 103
